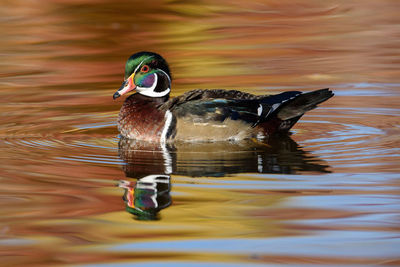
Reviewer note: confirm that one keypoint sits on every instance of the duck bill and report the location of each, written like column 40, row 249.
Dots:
column 127, row 86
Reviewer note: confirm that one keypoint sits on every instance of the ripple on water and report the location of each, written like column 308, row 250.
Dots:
column 327, row 196
column 354, row 139
column 346, row 140
column 340, row 187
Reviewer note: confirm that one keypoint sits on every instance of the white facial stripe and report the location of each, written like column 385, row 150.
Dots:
column 143, row 90
column 157, row 94
column 138, row 66
column 169, row 78
column 149, row 91
column 141, row 63
column 152, row 93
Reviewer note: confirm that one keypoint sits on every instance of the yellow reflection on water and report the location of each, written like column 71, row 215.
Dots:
column 60, row 204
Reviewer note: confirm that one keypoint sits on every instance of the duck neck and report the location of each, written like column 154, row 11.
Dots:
column 156, row 100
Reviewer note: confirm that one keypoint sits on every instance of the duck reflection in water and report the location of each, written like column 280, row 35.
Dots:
column 149, row 166
column 147, row 196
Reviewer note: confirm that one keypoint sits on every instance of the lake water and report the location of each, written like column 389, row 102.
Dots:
column 73, row 193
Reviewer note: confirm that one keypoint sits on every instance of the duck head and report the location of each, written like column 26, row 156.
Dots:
column 147, row 73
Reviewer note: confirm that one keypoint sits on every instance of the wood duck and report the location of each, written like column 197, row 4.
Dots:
column 202, row 115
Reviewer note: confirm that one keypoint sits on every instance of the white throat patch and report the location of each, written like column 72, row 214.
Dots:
column 149, row 91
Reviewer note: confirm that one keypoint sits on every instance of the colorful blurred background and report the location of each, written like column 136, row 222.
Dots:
column 73, row 194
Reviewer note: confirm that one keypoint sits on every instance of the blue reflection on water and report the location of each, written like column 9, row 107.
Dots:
column 326, row 243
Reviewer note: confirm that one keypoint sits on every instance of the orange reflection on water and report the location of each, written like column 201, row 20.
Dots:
column 330, row 189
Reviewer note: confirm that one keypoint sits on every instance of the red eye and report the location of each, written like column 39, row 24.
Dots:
column 145, row 68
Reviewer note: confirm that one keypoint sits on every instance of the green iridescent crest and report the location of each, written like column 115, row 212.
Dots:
column 136, row 61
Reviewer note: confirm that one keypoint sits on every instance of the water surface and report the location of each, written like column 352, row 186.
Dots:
column 73, row 193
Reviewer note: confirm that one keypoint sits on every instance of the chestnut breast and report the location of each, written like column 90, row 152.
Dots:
column 140, row 118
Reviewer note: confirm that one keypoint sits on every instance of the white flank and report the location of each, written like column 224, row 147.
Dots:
column 168, row 120
column 167, row 156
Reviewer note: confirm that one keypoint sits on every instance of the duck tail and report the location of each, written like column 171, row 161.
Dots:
column 303, row 103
